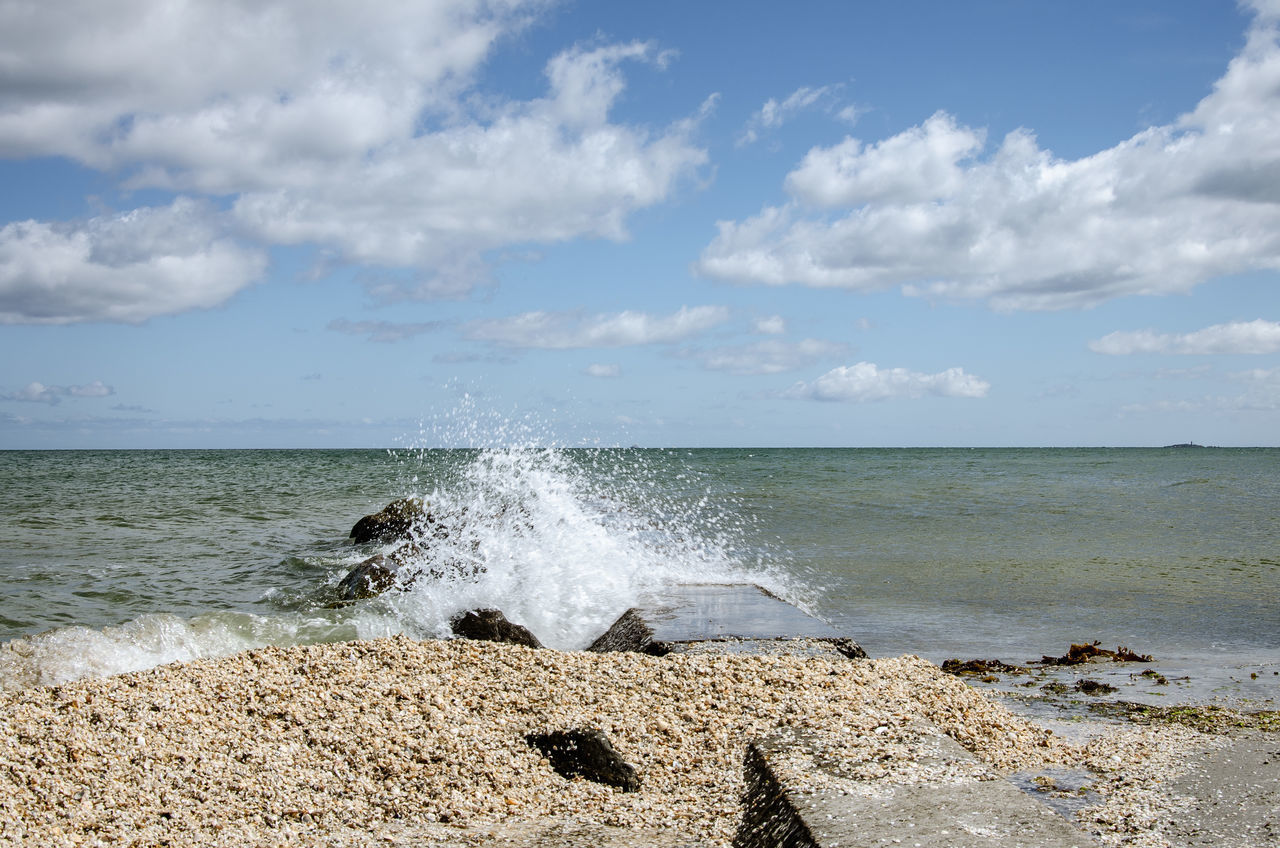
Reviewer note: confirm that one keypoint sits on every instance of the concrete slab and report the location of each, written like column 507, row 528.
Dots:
column 1232, row 795
column 716, row 617
column 784, row 808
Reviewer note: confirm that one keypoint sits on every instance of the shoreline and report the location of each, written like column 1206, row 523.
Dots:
column 332, row 744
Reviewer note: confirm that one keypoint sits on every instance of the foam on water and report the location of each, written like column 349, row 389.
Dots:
column 71, row 653
column 561, row 541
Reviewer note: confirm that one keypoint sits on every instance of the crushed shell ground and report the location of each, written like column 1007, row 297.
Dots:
column 396, row 741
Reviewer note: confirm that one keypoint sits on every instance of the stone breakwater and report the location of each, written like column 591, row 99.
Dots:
column 396, row 741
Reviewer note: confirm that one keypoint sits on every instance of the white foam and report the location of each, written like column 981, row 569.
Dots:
column 561, row 548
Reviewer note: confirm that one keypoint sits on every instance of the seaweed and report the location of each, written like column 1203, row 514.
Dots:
column 1206, row 718
column 1090, row 652
column 1094, row 687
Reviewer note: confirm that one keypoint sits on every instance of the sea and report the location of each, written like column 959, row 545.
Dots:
column 120, row 560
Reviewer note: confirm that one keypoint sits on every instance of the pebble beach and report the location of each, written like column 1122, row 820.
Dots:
column 398, row 741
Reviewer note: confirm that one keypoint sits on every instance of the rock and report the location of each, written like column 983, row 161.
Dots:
column 490, row 625
column 587, row 754
column 367, row 579
column 630, row 633
column 982, row 668
column 395, row 521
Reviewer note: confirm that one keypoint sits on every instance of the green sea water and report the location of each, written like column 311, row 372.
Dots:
column 115, row 560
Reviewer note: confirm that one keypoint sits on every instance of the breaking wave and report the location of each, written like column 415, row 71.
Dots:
column 561, row 540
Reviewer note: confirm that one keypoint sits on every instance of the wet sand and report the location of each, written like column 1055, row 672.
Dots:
column 396, row 741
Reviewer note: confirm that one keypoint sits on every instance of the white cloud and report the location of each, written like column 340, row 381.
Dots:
column 865, row 382
column 383, row 331
column 599, row 369
column 127, row 267
column 771, row 356
column 774, row 114
column 359, row 130
column 773, row 325
column 544, row 171
column 923, row 164
column 1240, row 337
column 1159, row 213
column 562, row 330
column 53, row 395
column 244, row 84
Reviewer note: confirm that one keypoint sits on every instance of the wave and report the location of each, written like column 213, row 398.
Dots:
column 562, row 541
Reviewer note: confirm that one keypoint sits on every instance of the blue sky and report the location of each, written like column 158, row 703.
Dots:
column 918, row 223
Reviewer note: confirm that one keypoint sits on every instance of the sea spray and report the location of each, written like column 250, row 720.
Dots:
column 563, row 541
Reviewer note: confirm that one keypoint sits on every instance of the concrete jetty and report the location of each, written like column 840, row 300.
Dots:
column 789, row 808
column 722, row 618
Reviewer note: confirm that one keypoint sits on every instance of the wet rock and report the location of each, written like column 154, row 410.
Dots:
column 585, row 753
column 981, row 668
column 371, row 577
column 630, row 633
column 490, row 625
column 395, row 521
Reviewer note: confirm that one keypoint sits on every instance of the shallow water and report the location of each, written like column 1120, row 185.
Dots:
column 117, row 560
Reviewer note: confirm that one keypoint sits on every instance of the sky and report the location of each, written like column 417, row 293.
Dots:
column 296, row 224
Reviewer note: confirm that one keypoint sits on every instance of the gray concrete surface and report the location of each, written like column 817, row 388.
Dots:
column 717, row 617
column 786, row 809
column 1233, row 794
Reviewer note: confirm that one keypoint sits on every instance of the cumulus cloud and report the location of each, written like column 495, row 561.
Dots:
column 40, row 393
column 383, row 331
column 771, row 356
column 933, row 211
column 218, row 92
column 775, row 113
column 1240, row 337
column 360, row 131
column 866, row 382
column 563, row 330
column 126, row 267
column 544, row 171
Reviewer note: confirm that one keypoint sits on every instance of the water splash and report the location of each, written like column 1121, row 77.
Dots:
column 562, row 542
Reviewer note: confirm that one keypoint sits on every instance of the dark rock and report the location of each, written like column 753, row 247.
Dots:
column 630, row 633
column 587, row 754
column 848, row 647
column 982, row 668
column 396, row 520
column 490, row 625
column 369, row 578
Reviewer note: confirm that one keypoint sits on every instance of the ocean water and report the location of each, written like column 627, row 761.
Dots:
column 119, row 560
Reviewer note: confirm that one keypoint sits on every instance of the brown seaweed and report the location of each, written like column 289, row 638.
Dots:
column 1090, row 652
